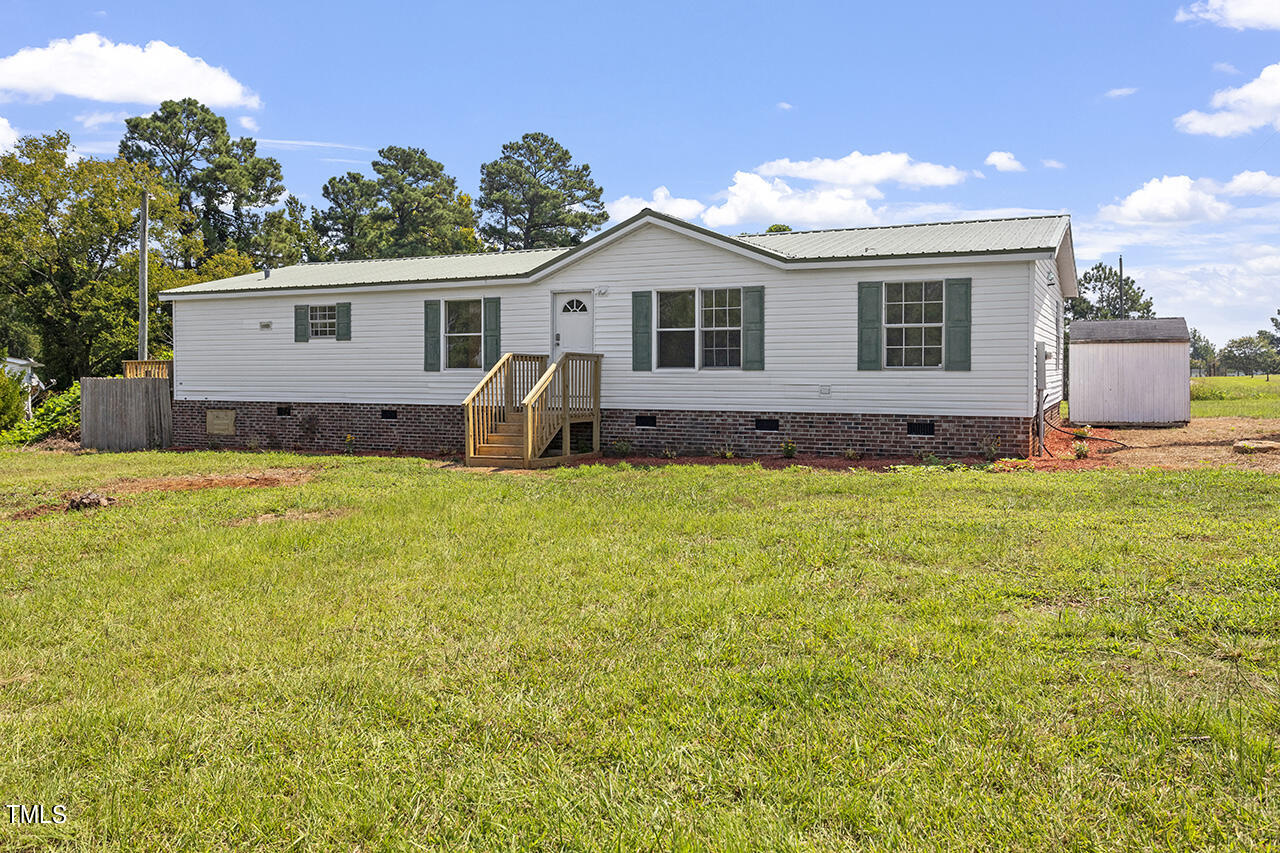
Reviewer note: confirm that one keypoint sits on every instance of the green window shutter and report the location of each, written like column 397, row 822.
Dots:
column 492, row 341
column 344, row 321
column 753, row 328
column 301, row 323
column 641, row 330
column 959, row 320
column 870, row 329
column 431, row 335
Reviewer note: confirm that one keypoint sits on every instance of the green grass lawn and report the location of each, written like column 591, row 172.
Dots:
column 719, row 658
column 1237, row 396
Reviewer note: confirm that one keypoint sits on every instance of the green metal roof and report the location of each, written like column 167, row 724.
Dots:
column 988, row 236
column 992, row 236
column 383, row 271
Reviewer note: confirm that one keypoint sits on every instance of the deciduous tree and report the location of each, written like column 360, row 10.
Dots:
column 64, row 223
column 1252, row 355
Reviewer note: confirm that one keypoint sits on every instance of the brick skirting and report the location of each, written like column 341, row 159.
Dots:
column 818, row 433
column 439, row 429
column 323, row 427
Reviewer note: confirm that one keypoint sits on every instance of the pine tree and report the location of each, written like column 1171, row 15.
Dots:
column 534, row 196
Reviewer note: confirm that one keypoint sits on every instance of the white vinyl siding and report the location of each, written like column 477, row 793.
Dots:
column 1046, row 303
column 810, row 338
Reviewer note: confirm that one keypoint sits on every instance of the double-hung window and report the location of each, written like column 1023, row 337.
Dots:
column 722, row 327
column 462, row 333
column 913, row 323
column 323, row 320
column 700, row 328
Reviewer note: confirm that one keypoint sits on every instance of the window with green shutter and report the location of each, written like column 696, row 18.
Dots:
column 642, row 330
column 344, row 321
column 492, row 331
column 431, row 335
column 870, row 333
column 959, row 323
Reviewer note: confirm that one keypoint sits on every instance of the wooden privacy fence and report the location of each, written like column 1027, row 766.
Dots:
column 125, row 414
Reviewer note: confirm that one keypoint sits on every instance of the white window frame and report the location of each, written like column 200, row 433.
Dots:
column 697, row 328
column 328, row 321
column 885, row 326
column 445, row 335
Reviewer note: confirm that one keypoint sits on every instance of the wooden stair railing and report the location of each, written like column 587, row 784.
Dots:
column 495, row 401
column 567, row 393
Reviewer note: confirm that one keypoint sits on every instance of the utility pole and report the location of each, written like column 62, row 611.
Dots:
column 1120, row 293
column 142, row 281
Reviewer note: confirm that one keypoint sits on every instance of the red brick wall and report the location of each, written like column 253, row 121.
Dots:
column 820, row 433
column 324, row 427
column 439, row 429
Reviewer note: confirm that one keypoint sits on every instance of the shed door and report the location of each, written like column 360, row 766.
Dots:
column 572, row 324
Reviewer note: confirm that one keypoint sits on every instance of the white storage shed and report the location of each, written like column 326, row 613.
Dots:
column 1130, row 372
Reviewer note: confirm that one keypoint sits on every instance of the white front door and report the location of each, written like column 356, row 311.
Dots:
column 572, row 324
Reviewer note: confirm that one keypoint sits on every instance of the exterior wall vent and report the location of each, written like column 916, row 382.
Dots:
column 390, row 414
column 646, row 420
column 284, row 411
column 919, row 427
column 767, row 424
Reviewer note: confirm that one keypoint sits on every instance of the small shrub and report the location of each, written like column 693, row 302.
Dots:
column 1081, row 449
column 789, row 449
column 619, row 448
column 350, row 443
column 931, row 459
column 13, row 398
column 1083, row 431
column 852, row 454
column 991, row 450
column 725, row 452
column 670, row 453
column 1202, row 390
column 57, row 417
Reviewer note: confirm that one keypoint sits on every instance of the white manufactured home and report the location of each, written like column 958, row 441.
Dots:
column 657, row 333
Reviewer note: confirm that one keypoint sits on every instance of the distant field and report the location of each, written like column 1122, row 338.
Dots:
column 382, row 654
column 1232, row 397
column 1235, row 396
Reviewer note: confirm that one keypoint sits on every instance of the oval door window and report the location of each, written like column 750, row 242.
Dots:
column 574, row 306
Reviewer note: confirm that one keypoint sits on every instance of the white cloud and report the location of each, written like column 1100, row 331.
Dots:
column 1122, row 92
column 8, row 136
column 1251, row 183
column 1053, row 164
column 95, row 120
column 865, row 171
column 295, row 144
column 249, row 123
column 753, row 198
column 1225, row 68
column 1004, row 161
column 92, row 67
column 1236, row 14
column 1240, row 110
column 342, row 160
column 783, row 105
column 662, row 201
column 1167, row 199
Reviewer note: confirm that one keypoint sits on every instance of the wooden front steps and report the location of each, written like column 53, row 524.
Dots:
column 521, row 413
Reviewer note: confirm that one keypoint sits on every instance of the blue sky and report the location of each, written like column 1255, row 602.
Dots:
column 1153, row 123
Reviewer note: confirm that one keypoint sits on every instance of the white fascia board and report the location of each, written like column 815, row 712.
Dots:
column 1065, row 258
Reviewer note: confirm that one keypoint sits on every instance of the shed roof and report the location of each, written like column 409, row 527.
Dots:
column 1157, row 330
column 939, row 239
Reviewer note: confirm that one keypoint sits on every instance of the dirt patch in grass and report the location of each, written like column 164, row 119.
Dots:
column 192, row 482
column 291, row 515
column 72, row 501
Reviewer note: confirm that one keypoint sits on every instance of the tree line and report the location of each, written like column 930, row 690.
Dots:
column 69, row 225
